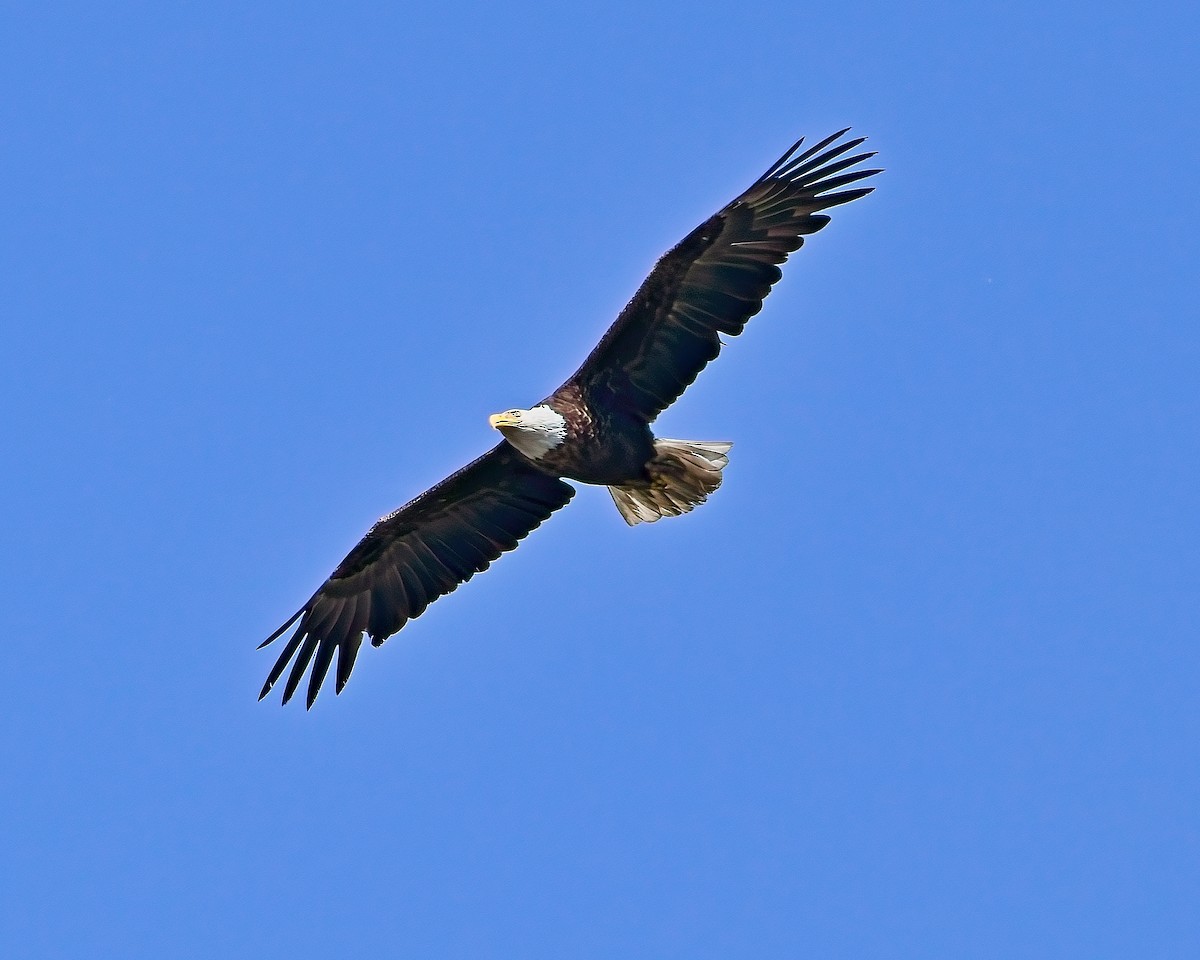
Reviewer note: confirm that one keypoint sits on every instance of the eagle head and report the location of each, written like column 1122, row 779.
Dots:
column 533, row 432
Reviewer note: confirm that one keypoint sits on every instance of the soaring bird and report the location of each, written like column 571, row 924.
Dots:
column 595, row 428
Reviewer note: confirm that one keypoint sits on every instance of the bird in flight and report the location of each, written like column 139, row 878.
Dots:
column 595, row 428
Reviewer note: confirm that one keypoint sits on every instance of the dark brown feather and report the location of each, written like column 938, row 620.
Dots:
column 715, row 280
column 413, row 556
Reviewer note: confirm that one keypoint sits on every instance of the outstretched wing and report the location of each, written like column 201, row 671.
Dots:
column 413, row 556
column 715, row 280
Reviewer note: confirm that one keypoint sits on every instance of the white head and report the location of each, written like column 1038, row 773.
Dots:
column 533, row 432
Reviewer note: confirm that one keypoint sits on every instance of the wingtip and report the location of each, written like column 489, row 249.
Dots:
column 316, row 679
column 778, row 164
column 282, row 630
column 792, row 161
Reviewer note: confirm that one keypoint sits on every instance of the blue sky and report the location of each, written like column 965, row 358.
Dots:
column 919, row 681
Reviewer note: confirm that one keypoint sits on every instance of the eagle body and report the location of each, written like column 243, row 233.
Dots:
column 594, row 429
column 604, row 444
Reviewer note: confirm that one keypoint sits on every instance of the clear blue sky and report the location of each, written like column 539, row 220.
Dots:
column 920, row 681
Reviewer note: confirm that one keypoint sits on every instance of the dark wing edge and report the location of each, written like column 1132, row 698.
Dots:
column 410, row 558
column 716, row 278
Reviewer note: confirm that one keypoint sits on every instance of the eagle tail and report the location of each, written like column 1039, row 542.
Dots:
column 682, row 475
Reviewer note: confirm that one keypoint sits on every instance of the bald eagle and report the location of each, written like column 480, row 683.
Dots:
column 595, row 428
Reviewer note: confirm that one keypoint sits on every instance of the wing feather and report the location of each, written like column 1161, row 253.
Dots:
column 715, row 280
column 347, row 654
column 411, row 557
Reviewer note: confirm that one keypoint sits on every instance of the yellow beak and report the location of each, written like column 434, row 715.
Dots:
column 499, row 420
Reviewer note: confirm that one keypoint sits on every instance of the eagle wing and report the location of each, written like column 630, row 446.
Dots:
column 413, row 556
column 715, row 280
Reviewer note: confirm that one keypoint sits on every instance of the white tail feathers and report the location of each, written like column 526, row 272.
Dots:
column 683, row 473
